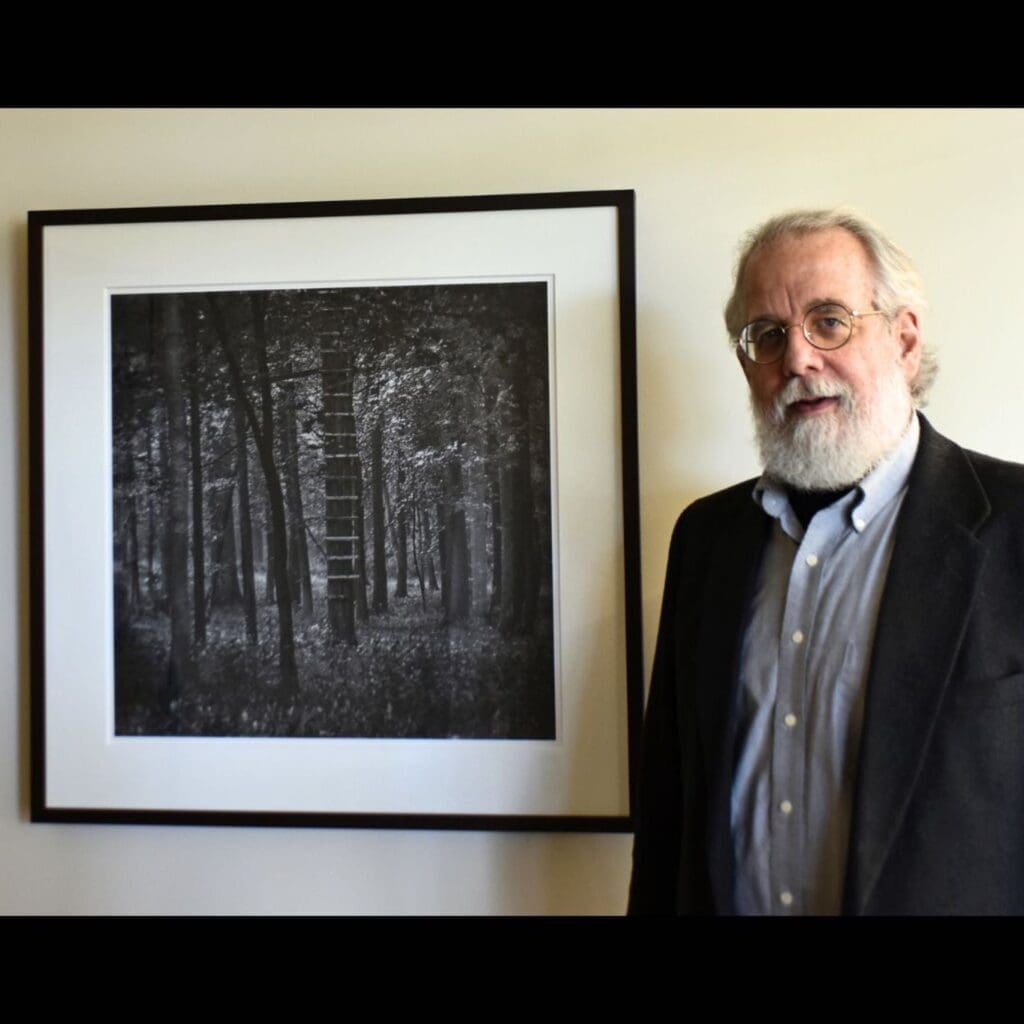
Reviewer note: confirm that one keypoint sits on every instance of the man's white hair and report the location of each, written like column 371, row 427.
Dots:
column 898, row 285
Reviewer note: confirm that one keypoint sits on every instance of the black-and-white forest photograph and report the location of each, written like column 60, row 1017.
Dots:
column 333, row 512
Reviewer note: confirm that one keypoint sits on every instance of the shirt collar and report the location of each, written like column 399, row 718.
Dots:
column 870, row 496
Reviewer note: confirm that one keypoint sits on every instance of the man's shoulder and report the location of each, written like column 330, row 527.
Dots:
column 995, row 475
column 720, row 509
column 1003, row 485
column 950, row 474
column 999, row 477
column 738, row 496
column 726, row 517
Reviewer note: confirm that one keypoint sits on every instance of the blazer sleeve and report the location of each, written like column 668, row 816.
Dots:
column 668, row 844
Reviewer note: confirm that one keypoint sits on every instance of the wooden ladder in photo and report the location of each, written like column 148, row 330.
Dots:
column 343, row 500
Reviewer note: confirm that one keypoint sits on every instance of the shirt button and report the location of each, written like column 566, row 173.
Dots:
column 798, row 637
column 790, row 720
column 786, row 898
column 811, row 560
column 786, row 807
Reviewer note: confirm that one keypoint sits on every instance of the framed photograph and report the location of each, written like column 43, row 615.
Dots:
column 335, row 513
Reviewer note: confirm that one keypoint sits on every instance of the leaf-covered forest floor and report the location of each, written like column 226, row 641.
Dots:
column 408, row 676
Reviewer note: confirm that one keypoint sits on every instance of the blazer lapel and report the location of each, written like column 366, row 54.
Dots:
column 735, row 553
column 917, row 638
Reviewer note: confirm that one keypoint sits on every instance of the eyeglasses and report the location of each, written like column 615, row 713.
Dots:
column 828, row 327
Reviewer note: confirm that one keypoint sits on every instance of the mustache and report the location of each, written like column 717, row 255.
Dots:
column 800, row 389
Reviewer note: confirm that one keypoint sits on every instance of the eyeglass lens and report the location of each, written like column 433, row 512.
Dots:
column 827, row 327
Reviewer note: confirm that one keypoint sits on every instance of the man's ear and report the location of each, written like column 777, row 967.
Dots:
column 907, row 326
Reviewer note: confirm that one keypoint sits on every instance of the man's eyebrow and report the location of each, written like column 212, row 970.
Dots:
column 827, row 301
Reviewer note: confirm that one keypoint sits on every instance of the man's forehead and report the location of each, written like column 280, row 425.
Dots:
column 824, row 245
column 823, row 265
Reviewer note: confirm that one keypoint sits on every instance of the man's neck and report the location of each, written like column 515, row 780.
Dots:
column 807, row 503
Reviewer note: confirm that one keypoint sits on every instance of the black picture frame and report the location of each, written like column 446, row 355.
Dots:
column 581, row 247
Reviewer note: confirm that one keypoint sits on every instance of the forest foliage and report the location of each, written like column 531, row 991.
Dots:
column 333, row 512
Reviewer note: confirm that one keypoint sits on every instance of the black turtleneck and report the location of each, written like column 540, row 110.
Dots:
column 806, row 503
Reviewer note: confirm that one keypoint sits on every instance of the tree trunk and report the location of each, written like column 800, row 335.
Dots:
column 401, row 549
column 494, row 457
column 442, row 554
column 417, row 559
column 380, row 563
column 224, row 589
column 181, row 668
column 118, row 497
column 302, row 585
column 494, row 486
column 262, row 428
column 518, row 554
column 198, row 542
column 259, row 554
column 362, row 607
column 428, row 546
column 245, row 524
column 132, row 538
column 289, row 674
column 151, row 589
column 268, row 592
column 455, row 563
column 477, row 523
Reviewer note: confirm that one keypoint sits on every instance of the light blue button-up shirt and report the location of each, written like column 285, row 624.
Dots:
column 804, row 665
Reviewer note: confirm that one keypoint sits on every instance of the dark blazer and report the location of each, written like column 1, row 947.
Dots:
column 938, row 818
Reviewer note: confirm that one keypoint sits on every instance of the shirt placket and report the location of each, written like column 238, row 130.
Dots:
column 791, row 723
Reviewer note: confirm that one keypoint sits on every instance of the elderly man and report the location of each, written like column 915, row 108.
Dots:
column 836, row 715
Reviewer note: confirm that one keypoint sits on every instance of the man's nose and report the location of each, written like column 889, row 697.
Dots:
column 800, row 355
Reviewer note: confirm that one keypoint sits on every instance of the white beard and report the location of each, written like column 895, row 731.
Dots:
column 838, row 448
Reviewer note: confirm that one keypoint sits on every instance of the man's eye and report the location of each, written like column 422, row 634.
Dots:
column 770, row 334
column 828, row 320
column 829, row 326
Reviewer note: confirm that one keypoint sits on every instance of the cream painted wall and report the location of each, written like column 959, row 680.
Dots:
column 944, row 183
